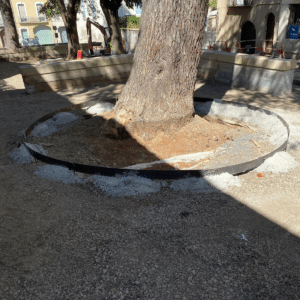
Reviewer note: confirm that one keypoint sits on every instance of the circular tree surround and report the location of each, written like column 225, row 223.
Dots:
column 154, row 174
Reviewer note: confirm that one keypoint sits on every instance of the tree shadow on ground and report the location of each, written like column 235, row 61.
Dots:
column 216, row 90
column 166, row 245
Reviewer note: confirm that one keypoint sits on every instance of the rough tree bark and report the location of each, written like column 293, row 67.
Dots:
column 110, row 9
column 69, row 15
column 159, row 92
column 11, row 35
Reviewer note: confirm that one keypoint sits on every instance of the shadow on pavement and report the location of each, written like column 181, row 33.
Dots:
column 213, row 89
column 63, row 241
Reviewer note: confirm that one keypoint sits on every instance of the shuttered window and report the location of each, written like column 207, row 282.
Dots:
column 22, row 13
column 40, row 16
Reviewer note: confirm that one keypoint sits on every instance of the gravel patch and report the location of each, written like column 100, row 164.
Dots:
column 57, row 173
column 280, row 162
column 100, row 108
column 22, row 156
column 52, row 125
column 294, row 124
column 269, row 123
column 125, row 185
column 207, row 184
column 132, row 185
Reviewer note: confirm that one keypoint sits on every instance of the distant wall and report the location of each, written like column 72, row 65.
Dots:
column 38, row 52
column 291, row 49
column 76, row 73
column 209, row 36
column 131, row 37
column 259, row 73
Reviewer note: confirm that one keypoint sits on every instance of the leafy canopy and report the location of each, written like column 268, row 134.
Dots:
column 130, row 22
column 51, row 8
column 212, row 3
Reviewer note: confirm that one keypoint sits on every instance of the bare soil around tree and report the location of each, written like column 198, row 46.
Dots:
column 86, row 141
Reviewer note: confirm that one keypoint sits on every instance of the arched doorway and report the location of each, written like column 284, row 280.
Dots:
column 270, row 32
column 248, row 36
column 44, row 34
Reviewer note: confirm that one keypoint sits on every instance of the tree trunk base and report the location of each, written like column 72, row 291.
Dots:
column 123, row 125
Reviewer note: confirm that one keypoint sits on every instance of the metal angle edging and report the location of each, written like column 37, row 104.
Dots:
column 152, row 174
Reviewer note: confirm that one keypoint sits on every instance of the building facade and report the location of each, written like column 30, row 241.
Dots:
column 252, row 22
column 31, row 24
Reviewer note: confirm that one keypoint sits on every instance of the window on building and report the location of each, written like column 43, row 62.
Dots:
column 41, row 17
column 294, row 19
column 22, row 12
column 24, row 33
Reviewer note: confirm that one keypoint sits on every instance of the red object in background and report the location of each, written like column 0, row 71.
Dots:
column 240, row 48
column 79, row 54
column 260, row 175
column 280, row 52
column 227, row 49
column 260, row 49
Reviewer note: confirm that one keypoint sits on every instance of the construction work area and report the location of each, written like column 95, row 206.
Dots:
column 219, row 237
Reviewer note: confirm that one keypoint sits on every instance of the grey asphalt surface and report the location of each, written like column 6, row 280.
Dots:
column 61, row 241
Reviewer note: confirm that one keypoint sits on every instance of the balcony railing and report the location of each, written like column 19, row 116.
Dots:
column 42, row 19
column 238, row 3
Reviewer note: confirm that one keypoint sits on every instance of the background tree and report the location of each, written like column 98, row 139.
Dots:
column 110, row 9
column 11, row 35
column 68, row 12
column 159, row 92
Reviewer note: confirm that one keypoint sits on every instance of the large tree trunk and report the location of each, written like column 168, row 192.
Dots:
column 69, row 16
column 11, row 35
column 110, row 10
column 159, row 92
column 73, row 40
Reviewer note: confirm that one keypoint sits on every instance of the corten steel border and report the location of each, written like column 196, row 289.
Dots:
column 152, row 174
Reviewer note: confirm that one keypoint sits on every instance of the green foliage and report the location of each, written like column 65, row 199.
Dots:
column 131, row 3
column 213, row 3
column 50, row 9
column 130, row 22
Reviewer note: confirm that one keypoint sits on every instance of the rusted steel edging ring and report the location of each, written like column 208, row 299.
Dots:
column 152, row 174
